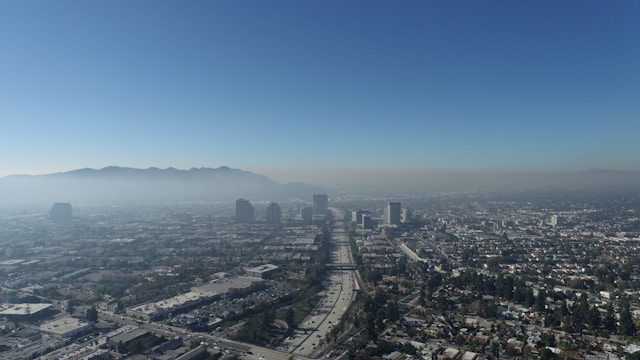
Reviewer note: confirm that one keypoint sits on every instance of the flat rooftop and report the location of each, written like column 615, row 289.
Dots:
column 62, row 326
column 214, row 288
column 128, row 336
column 22, row 309
column 263, row 268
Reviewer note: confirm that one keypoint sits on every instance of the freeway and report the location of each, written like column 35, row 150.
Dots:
column 334, row 302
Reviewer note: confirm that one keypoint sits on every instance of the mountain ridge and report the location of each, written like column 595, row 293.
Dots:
column 150, row 184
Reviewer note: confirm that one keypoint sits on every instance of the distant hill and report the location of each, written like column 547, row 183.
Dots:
column 123, row 184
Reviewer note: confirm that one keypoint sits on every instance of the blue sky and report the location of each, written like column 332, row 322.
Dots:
column 273, row 85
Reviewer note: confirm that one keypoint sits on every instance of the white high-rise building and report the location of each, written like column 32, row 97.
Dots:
column 407, row 215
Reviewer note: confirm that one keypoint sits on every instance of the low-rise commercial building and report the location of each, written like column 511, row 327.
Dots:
column 262, row 271
column 67, row 327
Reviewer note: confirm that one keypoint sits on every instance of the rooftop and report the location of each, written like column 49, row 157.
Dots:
column 22, row 309
column 263, row 268
column 214, row 288
column 62, row 326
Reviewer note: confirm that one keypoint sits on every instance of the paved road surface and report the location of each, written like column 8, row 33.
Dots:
column 334, row 302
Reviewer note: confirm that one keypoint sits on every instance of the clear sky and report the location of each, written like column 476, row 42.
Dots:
column 285, row 85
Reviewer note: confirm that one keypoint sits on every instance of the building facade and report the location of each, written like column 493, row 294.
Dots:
column 274, row 214
column 306, row 215
column 61, row 212
column 320, row 204
column 245, row 213
column 393, row 213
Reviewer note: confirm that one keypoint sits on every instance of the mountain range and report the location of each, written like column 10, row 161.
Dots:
column 115, row 184
column 123, row 184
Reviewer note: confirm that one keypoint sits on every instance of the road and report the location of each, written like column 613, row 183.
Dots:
column 410, row 253
column 334, row 301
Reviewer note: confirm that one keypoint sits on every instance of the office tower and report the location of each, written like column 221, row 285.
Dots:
column 320, row 204
column 274, row 214
column 392, row 214
column 356, row 216
column 407, row 215
column 245, row 213
column 366, row 221
column 555, row 220
column 61, row 212
column 306, row 215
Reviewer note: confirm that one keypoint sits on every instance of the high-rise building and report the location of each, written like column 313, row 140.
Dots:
column 245, row 213
column 356, row 216
column 392, row 214
column 306, row 215
column 61, row 212
column 366, row 221
column 407, row 215
column 320, row 204
column 274, row 214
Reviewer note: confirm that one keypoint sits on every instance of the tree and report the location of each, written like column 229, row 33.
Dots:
column 634, row 356
column 267, row 319
column 92, row 314
column 289, row 316
column 435, row 280
column 409, row 349
column 120, row 309
column 380, row 317
column 495, row 349
column 593, row 318
column 547, row 354
column 539, row 304
column 627, row 327
column 423, row 296
column 528, row 300
column 392, row 311
column 548, row 339
column 610, row 319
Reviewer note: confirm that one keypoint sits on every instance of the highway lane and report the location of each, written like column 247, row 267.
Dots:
column 334, row 302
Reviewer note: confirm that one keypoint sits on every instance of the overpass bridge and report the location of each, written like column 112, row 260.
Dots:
column 341, row 266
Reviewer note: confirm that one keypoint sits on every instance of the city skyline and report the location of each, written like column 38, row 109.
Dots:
column 360, row 180
column 501, row 86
